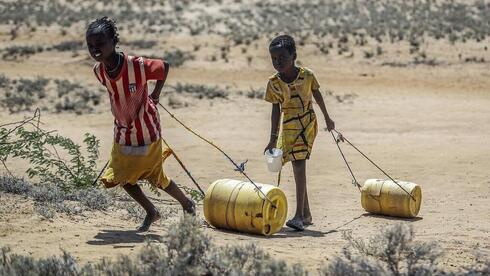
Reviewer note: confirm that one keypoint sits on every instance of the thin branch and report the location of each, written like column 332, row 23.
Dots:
column 10, row 173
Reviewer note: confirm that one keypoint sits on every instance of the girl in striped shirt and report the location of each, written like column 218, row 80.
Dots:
column 137, row 149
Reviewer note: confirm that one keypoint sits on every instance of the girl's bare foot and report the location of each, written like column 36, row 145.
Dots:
column 296, row 224
column 190, row 208
column 308, row 220
column 149, row 219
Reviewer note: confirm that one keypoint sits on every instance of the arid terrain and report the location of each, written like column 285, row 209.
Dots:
column 418, row 107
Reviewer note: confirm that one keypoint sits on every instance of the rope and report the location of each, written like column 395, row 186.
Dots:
column 342, row 138
column 100, row 173
column 219, row 149
column 183, row 167
column 279, row 178
column 354, row 180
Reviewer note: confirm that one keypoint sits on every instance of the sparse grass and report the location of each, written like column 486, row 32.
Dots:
column 177, row 57
column 348, row 24
column 201, row 91
column 20, row 95
column 255, row 93
column 14, row 53
column 76, row 98
column 187, row 250
column 141, row 44
column 70, row 45
column 394, row 251
column 50, row 198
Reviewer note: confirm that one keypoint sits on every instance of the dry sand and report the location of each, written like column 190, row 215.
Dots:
column 428, row 125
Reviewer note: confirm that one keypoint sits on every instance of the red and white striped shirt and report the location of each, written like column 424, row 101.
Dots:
column 136, row 118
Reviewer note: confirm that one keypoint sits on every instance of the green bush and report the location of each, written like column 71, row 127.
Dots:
column 43, row 149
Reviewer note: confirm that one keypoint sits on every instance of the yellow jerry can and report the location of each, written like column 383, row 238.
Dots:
column 238, row 205
column 386, row 198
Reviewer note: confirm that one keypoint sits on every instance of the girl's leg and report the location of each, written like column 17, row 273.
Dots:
column 307, row 219
column 152, row 214
column 299, row 170
column 174, row 191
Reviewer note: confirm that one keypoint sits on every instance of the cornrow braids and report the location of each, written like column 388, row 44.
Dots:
column 284, row 41
column 106, row 25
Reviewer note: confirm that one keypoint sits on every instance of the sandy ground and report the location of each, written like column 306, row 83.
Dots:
column 428, row 125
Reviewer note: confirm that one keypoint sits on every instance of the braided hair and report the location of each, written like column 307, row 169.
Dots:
column 283, row 41
column 106, row 26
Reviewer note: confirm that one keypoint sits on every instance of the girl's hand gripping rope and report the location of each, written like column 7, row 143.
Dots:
column 330, row 124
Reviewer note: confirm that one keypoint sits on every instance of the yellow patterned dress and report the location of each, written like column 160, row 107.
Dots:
column 299, row 124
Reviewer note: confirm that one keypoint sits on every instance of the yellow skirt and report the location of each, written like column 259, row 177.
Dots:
column 297, row 136
column 127, row 165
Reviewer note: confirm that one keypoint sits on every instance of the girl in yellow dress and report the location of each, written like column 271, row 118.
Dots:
column 290, row 91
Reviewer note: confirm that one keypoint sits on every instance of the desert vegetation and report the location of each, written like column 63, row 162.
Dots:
column 64, row 174
column 387, row 49
column 188, row 251
column 23, row 94
column 333, row 27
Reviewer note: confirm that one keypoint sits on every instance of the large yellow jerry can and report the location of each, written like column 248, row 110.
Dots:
column 386, row 198
column 238, row 205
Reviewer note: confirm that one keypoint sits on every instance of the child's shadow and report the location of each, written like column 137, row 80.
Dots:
column 107, row 237
column 287, row 232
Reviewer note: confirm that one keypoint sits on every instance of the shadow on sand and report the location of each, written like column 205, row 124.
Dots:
column 392, row 218
column 107, row 237
column 287, row 232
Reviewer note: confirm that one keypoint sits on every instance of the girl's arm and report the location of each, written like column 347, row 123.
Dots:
column 155, row 95
column 319, row 100
column 275, row 117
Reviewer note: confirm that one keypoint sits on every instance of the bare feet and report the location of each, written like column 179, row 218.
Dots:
column 190, row 208
column 308, row 220
column 296, row 224
column 149, row 219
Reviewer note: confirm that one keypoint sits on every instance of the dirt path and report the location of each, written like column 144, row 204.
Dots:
column 425, row 125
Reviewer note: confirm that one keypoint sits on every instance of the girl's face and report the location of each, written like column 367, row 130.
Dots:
column 282, row 60
column 99, row 45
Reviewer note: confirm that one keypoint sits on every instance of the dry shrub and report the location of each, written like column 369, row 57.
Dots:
column 13, row 264
column 392, row 252
column 50, row 198
column 395, row 252
column 186, row 250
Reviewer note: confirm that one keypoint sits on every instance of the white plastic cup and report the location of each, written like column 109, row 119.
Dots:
column 274, row 160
